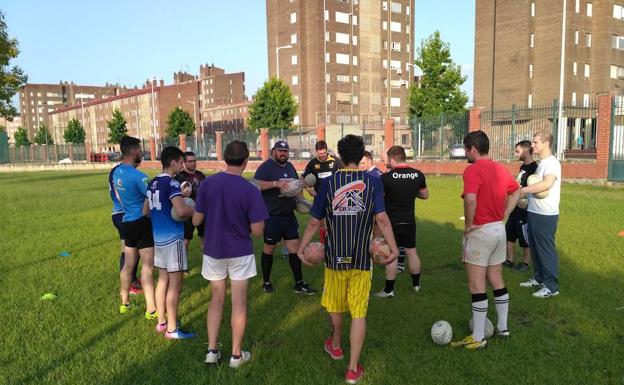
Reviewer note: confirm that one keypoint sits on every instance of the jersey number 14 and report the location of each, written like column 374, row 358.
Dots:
column 153, row 198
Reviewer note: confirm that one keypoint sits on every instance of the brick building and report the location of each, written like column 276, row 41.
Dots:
column 518, row 51
column 343, row 59
column 11, row 126
column 226, row 117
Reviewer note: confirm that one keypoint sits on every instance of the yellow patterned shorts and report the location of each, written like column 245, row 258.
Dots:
column 347, row 290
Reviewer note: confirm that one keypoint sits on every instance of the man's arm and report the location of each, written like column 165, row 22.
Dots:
column 257, row 229
column 198, row 218
column 423, row 193
column 470, row 209
column 311, row 229
column 546, row 184
column 512, row 201
column 269, row 184
column 386, row 229
column 146, row 209
column 180, row 208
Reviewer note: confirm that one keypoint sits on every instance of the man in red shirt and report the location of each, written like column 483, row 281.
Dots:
column 490, row 194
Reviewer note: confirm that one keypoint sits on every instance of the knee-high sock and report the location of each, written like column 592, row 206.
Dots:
column 501, row 301
column 266, row 262
column 479, row 314
column 295, row 266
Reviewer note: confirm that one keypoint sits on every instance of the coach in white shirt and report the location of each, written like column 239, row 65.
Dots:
column 543, row 215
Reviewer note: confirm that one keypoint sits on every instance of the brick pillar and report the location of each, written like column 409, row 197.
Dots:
column 219, row 145
column 264, row 143
column 32, row 152
column 320, row 131
column 388, row 133
column 55, row 152
column 474, row 122
column 152, row 144
column 182, row 138
column 603, row 134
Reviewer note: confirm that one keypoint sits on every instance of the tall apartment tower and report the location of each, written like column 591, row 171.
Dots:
column 518, row 51
column 345, row 60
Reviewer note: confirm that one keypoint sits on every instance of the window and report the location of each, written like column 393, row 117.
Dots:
column 293, row 38
column 296, row 119
column 395, row 7
column 530, row 71
column 576, row 37
column 295, row 80
column 618, row 12
column 342, row 38
column 384, row 5
column 355, row 60
column 354, row 40
column 590, row 9
column 574, row 98
column 407, row 10
column 327, row 57
column 342, row 78
column 326, row 15
column 326, row 36
column 587, row 69
column 355, row 79
column 354, row 99
column 395, row 26
column 342, row 17
column 618, row 42
column 533, row 9
column 293, row 60
column 327, row 78
column 343, row 98
column 395, row 102
column 532, row 40
column 385, row 25
column 577, row 7
column 354, row 19
column 585, row 100
column 293, row 18
column 588, row 39
column 342, row 58
column 617, row 72
column 574, row 68
column 396, row 46
column 530, row 101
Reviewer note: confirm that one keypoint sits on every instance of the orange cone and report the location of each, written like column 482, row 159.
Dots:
column 621, row 233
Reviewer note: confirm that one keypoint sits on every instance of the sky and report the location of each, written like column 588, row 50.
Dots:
column 129, row 41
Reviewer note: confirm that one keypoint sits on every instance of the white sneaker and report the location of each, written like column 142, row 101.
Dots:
column 530, row 283
column 545, row 293
column 383, row 294
column 243, row 359
column 416, row 288
column 212, row 357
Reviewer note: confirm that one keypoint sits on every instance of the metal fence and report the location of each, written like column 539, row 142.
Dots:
column 51, row 153
column 438, row 137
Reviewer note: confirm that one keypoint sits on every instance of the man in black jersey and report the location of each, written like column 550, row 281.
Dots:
column 516, row 226
column 194, row 177
column 402, row 185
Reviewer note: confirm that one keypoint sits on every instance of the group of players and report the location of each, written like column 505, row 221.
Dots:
column 353, row 202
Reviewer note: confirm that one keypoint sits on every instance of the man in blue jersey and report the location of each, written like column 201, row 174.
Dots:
column 131, row 188
column 349, row 200
column 117, row 217
column 163, row 194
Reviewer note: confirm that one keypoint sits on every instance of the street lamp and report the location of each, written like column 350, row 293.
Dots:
column 194, row 112
column 277, row 57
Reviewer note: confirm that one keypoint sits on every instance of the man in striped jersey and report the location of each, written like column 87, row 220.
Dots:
column 350, row 199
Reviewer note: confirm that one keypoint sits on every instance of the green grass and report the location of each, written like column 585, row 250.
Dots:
column 78, row 338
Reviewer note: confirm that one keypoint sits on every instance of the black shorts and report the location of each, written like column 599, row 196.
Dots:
column 117, row 220
column 138, row 234
column 189, row 229
column 278, row 227
column 517, row 229
column 405, row 235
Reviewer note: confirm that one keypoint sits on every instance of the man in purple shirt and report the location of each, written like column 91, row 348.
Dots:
column 231, row 209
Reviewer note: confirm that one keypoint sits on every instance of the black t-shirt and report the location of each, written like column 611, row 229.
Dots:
column 322, row 169
column 526, row 170
column 194, row 179
column 401, row 186
column 276, row 203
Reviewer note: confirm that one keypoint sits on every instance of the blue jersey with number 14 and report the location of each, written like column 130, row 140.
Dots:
column 160, row 191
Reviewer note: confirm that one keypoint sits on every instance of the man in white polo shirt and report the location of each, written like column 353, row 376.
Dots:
column 543, row 215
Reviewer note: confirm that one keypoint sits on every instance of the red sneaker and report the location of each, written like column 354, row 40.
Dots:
column 353, row 377
column 335, row 354
column 135, row 288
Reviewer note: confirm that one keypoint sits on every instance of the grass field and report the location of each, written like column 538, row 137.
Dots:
column 78, row 338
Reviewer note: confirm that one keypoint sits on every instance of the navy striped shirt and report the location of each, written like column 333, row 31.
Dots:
column 349, row 199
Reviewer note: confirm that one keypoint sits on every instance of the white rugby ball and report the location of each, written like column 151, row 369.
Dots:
column 186, row 185
column 309, row 180
column 292, row 188
column 187, row 201
column 533, row 179
column 441, row 333
column 489, row 327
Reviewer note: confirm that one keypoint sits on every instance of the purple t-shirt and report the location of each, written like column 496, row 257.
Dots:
column 230, row 204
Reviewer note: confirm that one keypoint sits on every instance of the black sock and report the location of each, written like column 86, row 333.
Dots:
column 236, row 357
column 389, row 285
column 267, row 263
column 122, row 260
column 416, row 279
column 295, row 266
column 402, row 260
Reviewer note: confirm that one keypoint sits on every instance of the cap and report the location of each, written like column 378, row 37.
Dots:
column 281, row 145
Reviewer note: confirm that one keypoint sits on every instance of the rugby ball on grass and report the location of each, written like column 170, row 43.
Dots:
column 379, row 250
column 441, row 333
column 292, row 188
column 533, row 179
column 188, row 202
column 314, row 253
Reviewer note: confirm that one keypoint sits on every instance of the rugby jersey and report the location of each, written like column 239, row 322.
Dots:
column 349, row 200
column 160, row 191
column 117, row 207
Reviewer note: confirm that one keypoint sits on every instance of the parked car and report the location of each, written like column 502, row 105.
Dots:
column 409, row 152
column 457, row 151
column 306, row 154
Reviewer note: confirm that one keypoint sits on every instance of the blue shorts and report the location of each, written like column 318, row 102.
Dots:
column 117, row 219
column 278, row 227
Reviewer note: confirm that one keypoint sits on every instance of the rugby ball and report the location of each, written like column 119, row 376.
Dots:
column 533, row 179
column 309, row 180
column 187, row 201
column 489, row 327
column 184, row 186
column 379, row 250
column 441, row 333
column 303, row 206
column 292, row 188
column 314, row 253
column 523, row 203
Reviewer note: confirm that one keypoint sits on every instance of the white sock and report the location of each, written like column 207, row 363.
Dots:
column 501, row 301
column 479, row 314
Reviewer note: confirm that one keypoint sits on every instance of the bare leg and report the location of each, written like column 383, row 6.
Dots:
column 215, row 312
column 358, row 332
column 125, row 275
column 186, row 243
column 495, row 277
column 239, row 314
column 510, row 251
column 147, row 277
column 476, row 277
column 413, row 260
column 336, row 326
column 173, row 298
column 526, row 255
column 391, row 270
column 161, row 295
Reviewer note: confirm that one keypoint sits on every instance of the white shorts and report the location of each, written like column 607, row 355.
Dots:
column 486, row 246
column 238, row 269
column 171, row 257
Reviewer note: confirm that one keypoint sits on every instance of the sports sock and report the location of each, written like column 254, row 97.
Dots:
column 122, row 260
column 389, row 285
column 295, row 266
column 402, row 256
column 479, row 314
column 267, row 263
column 501, row 301
column 416, row 279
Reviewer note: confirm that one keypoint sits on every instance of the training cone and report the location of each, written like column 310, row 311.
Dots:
column 64, row 254
column 621, row 233
column 48, row 297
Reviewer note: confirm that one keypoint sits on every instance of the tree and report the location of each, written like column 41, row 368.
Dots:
column 439, row 90
column 42, row 136
column 116, row 127
column 74, row 133
column 180, row 122
column 21, row 137
column 11, row 78
column 274, row 107
column 3, row 129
